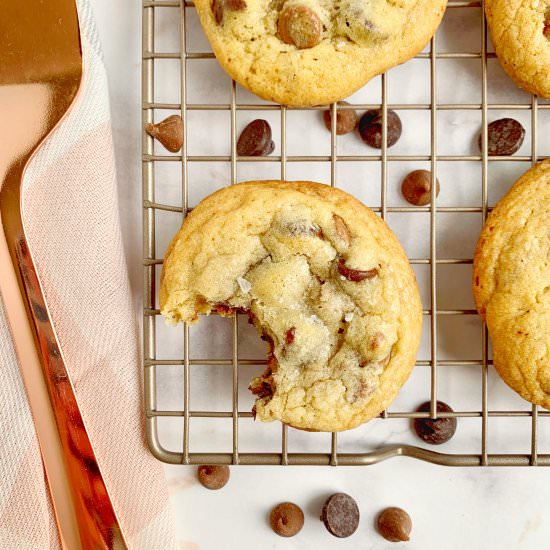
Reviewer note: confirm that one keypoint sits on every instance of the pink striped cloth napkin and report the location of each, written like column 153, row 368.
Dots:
column 71, row 215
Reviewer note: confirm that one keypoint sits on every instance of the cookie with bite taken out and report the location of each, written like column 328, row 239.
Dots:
column 324, row 281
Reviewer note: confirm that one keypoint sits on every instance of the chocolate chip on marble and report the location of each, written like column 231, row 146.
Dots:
column 213, row 476
column 299, row 25
column 340, row 515
column 504, row 137
column 434, row 431
column 219, row 6
column 355, row 275
column 342, row 229
column 255, row 139
column 417, row 186
column 286, row 519
column 394, row 524
column 169, row 132
column 370, row 128
column 346, row 119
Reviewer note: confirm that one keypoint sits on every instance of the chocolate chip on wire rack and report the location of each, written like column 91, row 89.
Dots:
column 370, row 128
column 213, row 476
column 435, row 431
column 340, row 515
column 394, row 524
column 504, row 137
column 255, row 139
column 286, row 519
column 346, row 119
column 169, row 132
column 417, row 187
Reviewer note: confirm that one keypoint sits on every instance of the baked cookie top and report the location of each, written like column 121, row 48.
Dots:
column 520, row 31
column 512, row 284
column 314, row 52
column 324, row 281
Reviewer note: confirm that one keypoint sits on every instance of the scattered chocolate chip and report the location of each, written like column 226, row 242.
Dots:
column 546, row 28
column 219, row 6
column 213, row 476
column 504, row 137
column 255, row 139
column 394, row 524
column 416, row 187
column 286, row 519
column 169, row 132
column 370, row 128
column 340, row 515
column 433, row 431
column 299, row 25
column 289, row 336
column 346, row 119
column 355, row 275
column 342, row 229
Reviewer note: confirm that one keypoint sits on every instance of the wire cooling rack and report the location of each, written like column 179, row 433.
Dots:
column 331, row 453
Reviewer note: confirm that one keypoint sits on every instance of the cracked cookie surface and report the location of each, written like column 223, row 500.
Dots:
column 324, row 281
column 314, row 52
column 520, row 32
column 512, row 284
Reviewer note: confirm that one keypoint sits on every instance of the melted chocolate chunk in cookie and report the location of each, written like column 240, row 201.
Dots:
column 219, row 7
column 299, row 25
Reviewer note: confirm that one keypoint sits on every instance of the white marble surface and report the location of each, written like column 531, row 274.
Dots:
column 452, row 508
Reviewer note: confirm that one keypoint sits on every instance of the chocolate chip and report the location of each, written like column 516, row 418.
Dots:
column 546, row 28
column 213, row 477
column 342, row 229
column 504, row 137
column 300, row 26
column 416, row 187
column 169, row 132
column 370, row 128
column 286, row 519
column 289, row 336
column 219, row 6
column 355, row 275
column 340, row 515
column 433, row 431
column 255, row 139
column 394, row 524
column 346, row 119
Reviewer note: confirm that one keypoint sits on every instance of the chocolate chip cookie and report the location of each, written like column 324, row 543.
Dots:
column 314, row 52
column 324, row 281
column 520, row 31
column 512, row 284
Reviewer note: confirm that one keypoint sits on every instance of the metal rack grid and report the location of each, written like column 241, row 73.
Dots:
column 150, row 314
